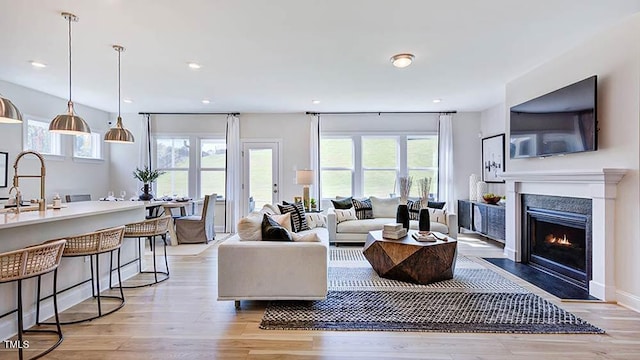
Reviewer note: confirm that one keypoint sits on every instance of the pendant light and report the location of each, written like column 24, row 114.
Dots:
column 9, row 113
column 119, row 134
column 69, row 123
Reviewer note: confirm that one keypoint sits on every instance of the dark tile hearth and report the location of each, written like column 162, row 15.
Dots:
column 541, row 279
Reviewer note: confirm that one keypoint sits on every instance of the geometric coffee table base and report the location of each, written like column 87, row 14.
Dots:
column 409, row 260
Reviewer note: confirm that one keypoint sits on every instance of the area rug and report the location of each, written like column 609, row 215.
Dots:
column 475, row 300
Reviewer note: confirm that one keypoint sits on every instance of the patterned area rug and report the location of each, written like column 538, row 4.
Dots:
column 475, row 300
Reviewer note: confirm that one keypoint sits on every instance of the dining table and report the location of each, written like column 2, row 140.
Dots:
column 167, row 206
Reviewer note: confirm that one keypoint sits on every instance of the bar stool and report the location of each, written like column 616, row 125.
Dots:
column 26, row 263
column 91, row 244
column 150, row 229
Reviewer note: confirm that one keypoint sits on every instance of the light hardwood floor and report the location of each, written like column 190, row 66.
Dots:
column 181, row 319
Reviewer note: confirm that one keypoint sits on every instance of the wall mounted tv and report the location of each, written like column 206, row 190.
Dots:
column 560, row 122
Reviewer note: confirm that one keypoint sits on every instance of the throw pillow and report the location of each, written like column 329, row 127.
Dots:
column 363, row 208
column 344, row 203
column 272, row 231
column 250, row 228
column 438, row 215
column 284, row 220
column 315, row 220
column 308, row 237
column 436, row 204
column 345, row 215
column 269, row 209
column 414, row 209
column 384, row 207
column 298, row 219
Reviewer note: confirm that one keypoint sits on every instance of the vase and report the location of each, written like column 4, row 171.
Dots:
column 146, row 193
column 402, row 216
column 424, row 222
column 481, row 189
column 473, row 181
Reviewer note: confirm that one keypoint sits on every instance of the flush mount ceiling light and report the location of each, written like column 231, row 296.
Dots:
column 69, row 123
column 127, row 100
column 194, row 66
column 435, row 101
column 119, row 134
column 402, row 60
column 315, row 102
column 206, row 101
column 9, row 113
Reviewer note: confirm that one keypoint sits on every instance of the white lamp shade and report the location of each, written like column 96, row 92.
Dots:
column 304, row 177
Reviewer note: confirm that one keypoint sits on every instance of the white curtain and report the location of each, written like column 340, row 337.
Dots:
column 314, row 152
column 233, row 185
column 144, row 145
column 445, row 163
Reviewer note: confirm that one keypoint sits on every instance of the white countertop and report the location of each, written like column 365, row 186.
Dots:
column 72, row 211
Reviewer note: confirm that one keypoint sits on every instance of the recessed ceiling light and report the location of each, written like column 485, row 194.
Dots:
column 127, row 100
column 315, row 102
column 435, row 101
column 205, row 101
column 194, row 66
column 402, row 60
column 38, row 64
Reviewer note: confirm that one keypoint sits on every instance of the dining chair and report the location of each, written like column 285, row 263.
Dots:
column 198, row 228
column 76, row 198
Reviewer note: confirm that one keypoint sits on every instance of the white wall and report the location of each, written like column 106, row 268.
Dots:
column 614, row 56
column 64, row 176
column 492, row 122
column 467, row 157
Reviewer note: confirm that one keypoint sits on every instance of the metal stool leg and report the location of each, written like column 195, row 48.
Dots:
column 20, row 321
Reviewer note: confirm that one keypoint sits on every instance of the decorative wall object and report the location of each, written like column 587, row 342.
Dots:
column 473, row 181
column 4, row 166
column 493, row 158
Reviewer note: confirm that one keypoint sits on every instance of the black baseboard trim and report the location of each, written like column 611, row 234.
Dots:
column 543, row 280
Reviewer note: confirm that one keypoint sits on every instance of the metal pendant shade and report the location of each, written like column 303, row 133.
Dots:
column 119, row 134
column 69, row 123
column 9, row 113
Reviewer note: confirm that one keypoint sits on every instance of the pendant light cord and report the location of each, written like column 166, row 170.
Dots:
column 119, row 96
column 69, row 58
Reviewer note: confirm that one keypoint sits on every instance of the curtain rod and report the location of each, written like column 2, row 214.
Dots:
column 380, row 112
column 188, row 113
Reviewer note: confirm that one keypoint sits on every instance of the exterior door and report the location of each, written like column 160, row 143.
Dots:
column 260, row 181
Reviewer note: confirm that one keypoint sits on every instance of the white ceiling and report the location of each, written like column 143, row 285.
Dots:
column 278, row 55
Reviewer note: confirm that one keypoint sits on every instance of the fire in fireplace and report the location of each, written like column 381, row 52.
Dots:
column 557, row 242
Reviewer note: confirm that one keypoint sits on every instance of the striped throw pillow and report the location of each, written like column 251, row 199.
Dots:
column 414, row 209
column 298, row 219
column 364, row 210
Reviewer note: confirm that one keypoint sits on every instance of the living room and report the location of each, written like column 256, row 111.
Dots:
column 607, row 49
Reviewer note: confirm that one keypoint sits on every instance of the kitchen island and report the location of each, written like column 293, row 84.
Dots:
column 33, row 227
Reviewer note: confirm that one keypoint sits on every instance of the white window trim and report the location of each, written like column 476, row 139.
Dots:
column 82, row 159
column 62, row 142
column 194, row 186
column 357, row 180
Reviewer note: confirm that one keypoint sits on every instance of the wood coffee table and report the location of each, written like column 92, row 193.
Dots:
column 409, row 260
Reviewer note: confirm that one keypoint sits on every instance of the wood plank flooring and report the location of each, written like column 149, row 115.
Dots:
column 181, row 319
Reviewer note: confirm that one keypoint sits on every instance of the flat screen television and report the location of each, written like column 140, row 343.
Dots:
column 560, row 122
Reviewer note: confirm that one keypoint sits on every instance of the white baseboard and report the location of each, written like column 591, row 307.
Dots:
column 629, row 300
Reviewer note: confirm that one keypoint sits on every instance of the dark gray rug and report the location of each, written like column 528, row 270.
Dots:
column 425, row 311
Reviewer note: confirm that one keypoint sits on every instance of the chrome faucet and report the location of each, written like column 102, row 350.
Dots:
column 42, row 202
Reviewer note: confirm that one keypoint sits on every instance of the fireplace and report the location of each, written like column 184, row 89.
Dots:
column 556, row 237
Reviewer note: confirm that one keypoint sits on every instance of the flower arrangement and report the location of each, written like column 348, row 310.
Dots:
column 146, row 175
column 404, row 184
column 424, row 185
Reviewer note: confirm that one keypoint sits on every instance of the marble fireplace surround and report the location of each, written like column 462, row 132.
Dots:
column 599, row 185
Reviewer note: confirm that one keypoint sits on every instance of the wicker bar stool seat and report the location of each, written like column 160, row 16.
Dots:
column 149, row 229
column 26, row 263
column 92, row 244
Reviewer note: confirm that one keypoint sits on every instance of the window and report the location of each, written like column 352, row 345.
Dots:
column 366, row 165
column 336, row 162
column 38, row 138
column 88, row 146
column 190, row 173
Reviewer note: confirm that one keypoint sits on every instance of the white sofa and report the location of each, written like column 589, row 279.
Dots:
column 355, row 231
column 273, row 270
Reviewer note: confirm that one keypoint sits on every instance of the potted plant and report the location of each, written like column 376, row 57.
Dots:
column 146, row 176
column 312, row 202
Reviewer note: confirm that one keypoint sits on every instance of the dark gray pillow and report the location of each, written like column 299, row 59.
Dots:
column 436, row 204
column 342, row 204
column 272, row 231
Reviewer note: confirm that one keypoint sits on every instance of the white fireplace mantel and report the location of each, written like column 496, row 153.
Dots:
column 599, row 185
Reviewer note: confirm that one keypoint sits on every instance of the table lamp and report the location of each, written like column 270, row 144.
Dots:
column 305, row 178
